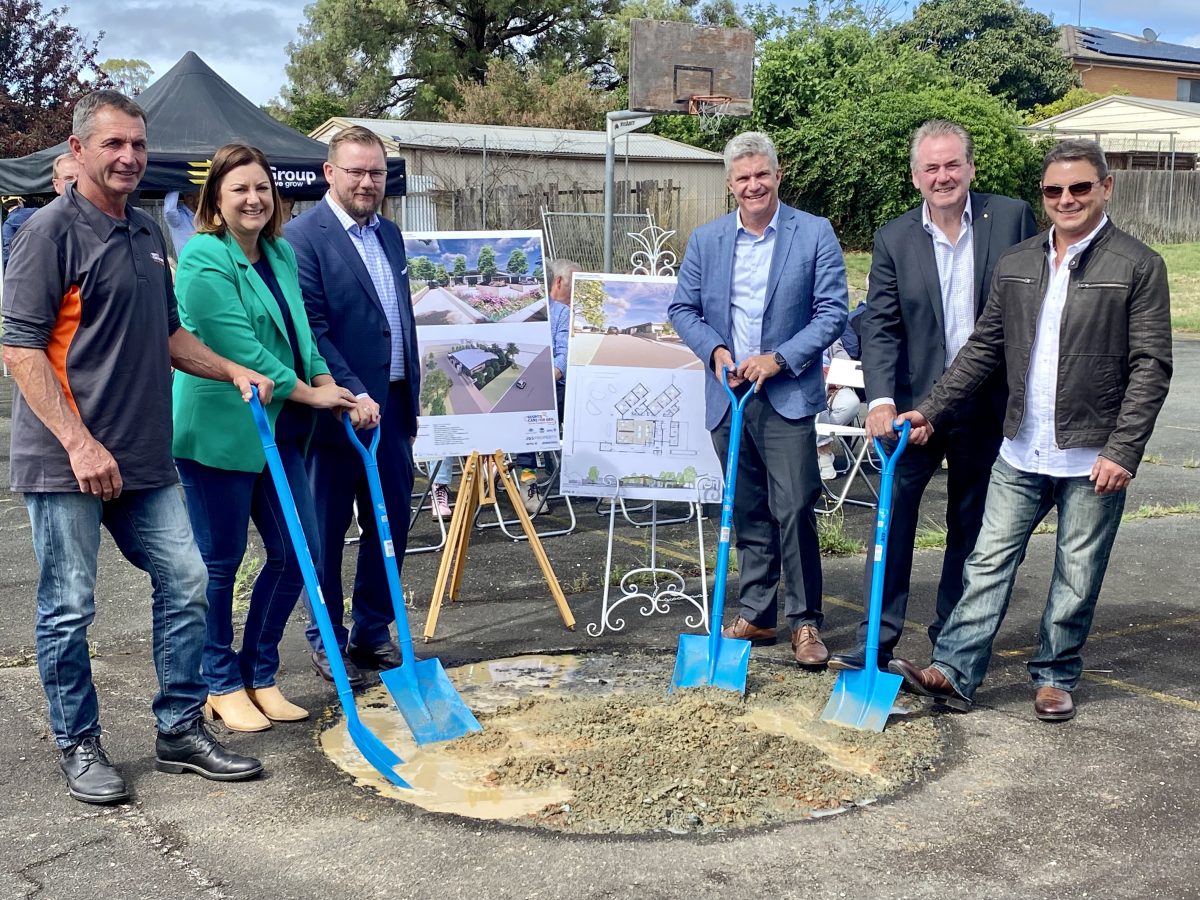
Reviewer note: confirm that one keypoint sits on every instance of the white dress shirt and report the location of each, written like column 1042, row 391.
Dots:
column 748, row 290
column 1034, row 449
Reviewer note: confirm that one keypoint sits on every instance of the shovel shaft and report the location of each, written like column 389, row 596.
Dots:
column 720, row 576
column 369, row 454
column 883, row 523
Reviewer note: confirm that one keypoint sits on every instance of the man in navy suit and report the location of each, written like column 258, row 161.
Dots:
column 762, row 292
column 930, row 273
column 354, row 276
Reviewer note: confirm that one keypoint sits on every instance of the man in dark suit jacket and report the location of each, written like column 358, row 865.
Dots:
column 763, row 292
column 930, row 273
column 354, row 275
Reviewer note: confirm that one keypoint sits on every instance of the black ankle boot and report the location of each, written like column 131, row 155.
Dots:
column 195, row 750
column 91, row 776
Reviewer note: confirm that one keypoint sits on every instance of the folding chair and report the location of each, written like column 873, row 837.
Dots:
column 853, row 438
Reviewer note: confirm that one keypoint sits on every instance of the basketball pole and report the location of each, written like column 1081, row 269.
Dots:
column 617, row 123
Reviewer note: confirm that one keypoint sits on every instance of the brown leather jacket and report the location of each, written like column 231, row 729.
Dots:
column 1114, row 363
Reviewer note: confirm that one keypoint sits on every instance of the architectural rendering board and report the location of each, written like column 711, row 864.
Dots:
column 487, row 370
column 635, row 396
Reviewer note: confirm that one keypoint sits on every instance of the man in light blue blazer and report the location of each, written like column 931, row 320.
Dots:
column 354, row 276
column 762, row 292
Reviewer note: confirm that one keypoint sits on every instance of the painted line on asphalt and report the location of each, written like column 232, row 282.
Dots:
column 1143, row 691
column 1116, row 633
column 856, row 605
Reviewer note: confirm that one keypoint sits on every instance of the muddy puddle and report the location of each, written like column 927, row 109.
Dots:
column 593, row 744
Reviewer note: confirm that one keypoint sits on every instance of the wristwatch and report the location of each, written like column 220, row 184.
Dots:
column 781, row 362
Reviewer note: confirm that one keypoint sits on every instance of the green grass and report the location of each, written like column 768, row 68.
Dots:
column 1158, row 511
column 930, row 537
column 833, row 539
column 1183, row 274
column 496, row 388
column 243, row 583
column 1154, row 459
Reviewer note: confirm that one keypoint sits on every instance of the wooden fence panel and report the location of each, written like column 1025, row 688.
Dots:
column 1157, row 207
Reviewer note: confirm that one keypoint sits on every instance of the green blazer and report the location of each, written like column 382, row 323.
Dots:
column 226, row 304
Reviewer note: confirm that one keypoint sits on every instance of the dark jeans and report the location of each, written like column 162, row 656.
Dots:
column 151, row 529
column 221, row 504
column 778, row 459
column 337, row 478
column 1087, row 526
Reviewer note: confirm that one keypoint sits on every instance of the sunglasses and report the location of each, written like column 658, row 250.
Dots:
column 1078, row 189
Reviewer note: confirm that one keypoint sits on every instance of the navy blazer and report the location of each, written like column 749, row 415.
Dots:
column 903, row 329
column 346, row 314
column 806, row 307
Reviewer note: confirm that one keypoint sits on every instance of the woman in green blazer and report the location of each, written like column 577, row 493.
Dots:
column 238, row 292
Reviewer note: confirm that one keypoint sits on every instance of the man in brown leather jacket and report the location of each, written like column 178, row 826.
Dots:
column 1081, row 315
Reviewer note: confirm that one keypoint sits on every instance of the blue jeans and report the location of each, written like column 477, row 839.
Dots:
column 151, row 529
column 221, row 504
column 1087, row 526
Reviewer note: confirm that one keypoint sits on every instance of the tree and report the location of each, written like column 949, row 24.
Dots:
column 588, row 301
column 486, row 263
column 1002, row 44
column 420, row 269
column 530, row 96
column 47, row 65
column 385, row 55
column 1072, row 99
column 308, row 111
column 129, row 76
column 460, row 266
column 518, row 263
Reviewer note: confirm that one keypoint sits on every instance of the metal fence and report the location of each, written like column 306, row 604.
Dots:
column 1157, row 207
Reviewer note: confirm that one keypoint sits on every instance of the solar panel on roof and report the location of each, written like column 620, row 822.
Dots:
column 1112, row 44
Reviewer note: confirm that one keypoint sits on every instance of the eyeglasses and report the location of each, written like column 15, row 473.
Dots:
column 1078, row 189
column 360, row 174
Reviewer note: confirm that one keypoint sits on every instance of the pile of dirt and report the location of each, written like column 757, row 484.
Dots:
column 696, row 761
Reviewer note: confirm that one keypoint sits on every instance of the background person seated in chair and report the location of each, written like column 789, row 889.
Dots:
column 842, row 402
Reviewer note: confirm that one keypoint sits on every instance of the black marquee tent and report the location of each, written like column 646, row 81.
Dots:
column 190, row 112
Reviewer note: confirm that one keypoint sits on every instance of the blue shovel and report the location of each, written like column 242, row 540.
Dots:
column 375, row 751
column 863, row 699
column 420, row 687
column 716, row 661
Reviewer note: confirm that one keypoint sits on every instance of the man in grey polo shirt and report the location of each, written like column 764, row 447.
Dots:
column 91, row 333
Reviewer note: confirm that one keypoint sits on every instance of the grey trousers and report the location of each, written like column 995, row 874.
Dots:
column 778, row 483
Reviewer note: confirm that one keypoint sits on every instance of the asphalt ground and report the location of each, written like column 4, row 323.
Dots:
column 1107, row 805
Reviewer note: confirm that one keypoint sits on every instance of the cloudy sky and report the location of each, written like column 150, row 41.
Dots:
column 245, row 41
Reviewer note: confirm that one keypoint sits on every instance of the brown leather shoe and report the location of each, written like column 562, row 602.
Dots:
column 810, row 650
column 930, row 682
column 1051, row 704
column 745, row 631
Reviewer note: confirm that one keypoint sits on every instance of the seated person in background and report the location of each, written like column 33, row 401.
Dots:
column 842, row 406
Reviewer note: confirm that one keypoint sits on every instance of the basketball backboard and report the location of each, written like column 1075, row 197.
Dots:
column 671, row 63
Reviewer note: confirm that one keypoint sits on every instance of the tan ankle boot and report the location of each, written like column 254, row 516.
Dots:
column 236, row 711
column 275, row 706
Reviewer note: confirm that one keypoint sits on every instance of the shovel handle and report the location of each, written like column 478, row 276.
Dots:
column 889, row 459
column 740, row 403
column 372, row 447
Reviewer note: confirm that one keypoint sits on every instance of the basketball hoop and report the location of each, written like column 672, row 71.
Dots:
column 710, row 110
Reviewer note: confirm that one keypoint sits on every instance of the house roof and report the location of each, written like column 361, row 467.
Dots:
column 1100, row 45
column 471, row 357
column 404, row 133
column 1129, row 112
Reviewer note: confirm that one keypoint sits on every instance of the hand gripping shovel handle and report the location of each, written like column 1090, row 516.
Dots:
column 372, row 749
column 369, row 453
column 883, row 524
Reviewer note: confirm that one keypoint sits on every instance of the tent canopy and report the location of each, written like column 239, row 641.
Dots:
column 190, row 112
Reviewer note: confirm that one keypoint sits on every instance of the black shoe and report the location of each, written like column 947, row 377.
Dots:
column 91, row 776
column 195, row 750
column 321, row 664
column 384, row 656
column 853, row 661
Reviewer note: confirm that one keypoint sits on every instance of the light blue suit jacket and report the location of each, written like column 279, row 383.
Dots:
column 806, row 307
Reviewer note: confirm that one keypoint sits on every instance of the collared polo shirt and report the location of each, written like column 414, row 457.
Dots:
column 752, row 255
column 366, row 241
column 95, row 294
column 1034, row 448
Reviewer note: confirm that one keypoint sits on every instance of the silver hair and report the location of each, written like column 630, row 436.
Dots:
column 1077, row 150
column 84, row 118
column 560, row 268
column 939, row 128
column 750, row 143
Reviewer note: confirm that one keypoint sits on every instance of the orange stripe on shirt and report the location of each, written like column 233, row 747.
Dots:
column 60, row 339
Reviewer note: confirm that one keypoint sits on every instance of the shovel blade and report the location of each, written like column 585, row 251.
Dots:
column 375, row 751
column 862, row 699
column 694, row 668
column 429, row 702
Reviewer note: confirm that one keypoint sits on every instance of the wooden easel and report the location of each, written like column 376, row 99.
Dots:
column 478, row 488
